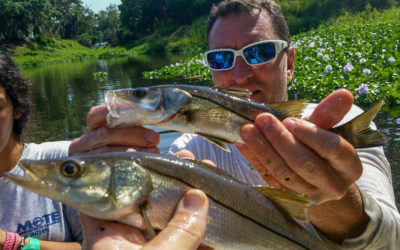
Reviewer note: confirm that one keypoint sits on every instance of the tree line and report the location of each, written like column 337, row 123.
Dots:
column 134, row 19
column 66, row 19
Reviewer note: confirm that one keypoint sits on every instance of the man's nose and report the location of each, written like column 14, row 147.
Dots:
column 241, row 71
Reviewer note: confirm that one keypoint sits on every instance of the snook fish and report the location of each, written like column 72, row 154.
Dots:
column 125, row 186
column 217, row 114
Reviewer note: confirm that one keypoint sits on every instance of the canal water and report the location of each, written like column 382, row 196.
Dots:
column 64, row 93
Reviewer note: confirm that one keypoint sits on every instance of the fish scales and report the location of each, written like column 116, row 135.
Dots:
column 227, row 191
column 212, row 120
column 242, row 107
column 226, row 229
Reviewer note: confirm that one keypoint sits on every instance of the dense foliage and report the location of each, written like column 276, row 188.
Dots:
column 67, row 19
column 303, row 15
column 48, row 50
column 134, row 22
column 143, row 17
column 351, row 53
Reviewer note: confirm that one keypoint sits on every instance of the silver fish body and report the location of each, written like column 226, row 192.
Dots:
column 116, row 186
column 217, row 114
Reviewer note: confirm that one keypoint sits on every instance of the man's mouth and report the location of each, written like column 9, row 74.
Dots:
column 254, row 94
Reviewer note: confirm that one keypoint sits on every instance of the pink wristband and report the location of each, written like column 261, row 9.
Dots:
column 10, row 242
column 15, row 241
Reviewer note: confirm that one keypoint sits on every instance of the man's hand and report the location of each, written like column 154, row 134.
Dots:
column 100, row 139
column 185, row 230
column 303, row 156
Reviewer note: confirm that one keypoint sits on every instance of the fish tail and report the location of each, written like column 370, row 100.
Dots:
column 358, row 131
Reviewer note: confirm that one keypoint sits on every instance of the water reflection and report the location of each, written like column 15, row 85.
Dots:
column 64, row 93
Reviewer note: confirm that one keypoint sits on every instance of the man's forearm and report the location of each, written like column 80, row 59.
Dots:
column 341, row 219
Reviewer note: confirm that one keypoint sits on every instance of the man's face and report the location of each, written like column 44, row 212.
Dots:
column 267, row 81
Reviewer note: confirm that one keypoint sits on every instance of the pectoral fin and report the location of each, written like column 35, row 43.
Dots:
column 149, row 231
column 220, row 143
column 294, row 204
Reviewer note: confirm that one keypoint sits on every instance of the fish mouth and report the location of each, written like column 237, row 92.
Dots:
column 110, row 100
column 118, row 102
column 30, row 180
column 120, row 107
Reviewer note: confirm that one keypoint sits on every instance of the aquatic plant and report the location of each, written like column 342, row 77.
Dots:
column 362, row 59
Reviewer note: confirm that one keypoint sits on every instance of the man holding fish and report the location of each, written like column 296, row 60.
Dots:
column 355, row 203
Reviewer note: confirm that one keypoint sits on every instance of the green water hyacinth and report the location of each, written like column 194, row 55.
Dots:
column 330, row 58
column 358, row 56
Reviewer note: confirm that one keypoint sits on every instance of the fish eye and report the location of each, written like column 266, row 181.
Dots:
column 70, row 169
column 140, row 92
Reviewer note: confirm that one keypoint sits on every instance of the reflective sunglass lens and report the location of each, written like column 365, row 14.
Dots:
column 260, row 53
column 220, row 59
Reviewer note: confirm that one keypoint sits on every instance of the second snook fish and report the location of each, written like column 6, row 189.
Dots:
column 143, row 190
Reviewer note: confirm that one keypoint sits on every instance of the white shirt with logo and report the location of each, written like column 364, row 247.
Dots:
column 33, row 215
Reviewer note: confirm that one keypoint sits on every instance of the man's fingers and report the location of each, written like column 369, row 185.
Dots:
column 189, row 155
column 332, row 109
column 336, row 150
column 186, row 229
column 185, row 154
column 266, row 143
column 127, row 136
column 97, row 117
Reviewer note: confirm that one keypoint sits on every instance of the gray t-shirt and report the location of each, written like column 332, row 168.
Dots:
column 30, row 214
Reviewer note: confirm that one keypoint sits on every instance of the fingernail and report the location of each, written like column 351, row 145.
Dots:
column 265, row 122
column 248, row 135
column 193, row 200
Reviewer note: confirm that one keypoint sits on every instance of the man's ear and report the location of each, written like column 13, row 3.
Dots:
column 290, row 63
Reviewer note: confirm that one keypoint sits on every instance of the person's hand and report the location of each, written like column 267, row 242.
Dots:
column 99, row 139
column 303, row 156
column 185, row 230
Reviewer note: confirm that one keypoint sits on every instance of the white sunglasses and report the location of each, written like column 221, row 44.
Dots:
column 254, row 54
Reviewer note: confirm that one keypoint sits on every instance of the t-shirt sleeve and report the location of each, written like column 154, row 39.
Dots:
column 375, row 185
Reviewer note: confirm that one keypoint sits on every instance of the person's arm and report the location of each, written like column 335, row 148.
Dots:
column 185, row 230
column 44, row 245
column 302, row 156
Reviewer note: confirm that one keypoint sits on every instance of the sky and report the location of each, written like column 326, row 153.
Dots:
column 97, row 5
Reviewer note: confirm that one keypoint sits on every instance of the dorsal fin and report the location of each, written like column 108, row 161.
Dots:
column 294, row 204
column 290, row 108
column 237, row 92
